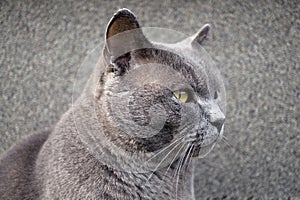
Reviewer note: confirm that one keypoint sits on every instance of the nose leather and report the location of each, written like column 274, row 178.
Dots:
column 214, row 114
column 216, row 117
column 218, row 124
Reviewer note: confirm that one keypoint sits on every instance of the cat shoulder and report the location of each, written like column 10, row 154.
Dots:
column 17, row 167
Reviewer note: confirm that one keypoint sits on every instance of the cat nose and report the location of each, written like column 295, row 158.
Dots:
column 216, row 117
column 218, row 123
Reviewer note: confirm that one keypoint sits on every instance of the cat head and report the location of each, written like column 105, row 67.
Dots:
column 156, row 97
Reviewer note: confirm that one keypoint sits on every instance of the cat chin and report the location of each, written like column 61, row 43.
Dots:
column 202, row 151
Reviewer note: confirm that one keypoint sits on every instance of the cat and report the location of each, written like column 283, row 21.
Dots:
column 147, row 110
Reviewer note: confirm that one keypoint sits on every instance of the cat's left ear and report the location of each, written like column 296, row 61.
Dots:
column 123, row 34
column 202, row 35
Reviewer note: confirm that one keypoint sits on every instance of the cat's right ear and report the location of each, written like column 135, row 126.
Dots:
column 202, row 35
column 123, row 34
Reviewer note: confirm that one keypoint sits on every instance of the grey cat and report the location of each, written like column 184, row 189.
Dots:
column 145, row 112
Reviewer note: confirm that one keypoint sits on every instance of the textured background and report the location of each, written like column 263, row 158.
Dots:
column 256, row 46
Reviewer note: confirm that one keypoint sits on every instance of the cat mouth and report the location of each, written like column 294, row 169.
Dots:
column 203, row 144
column 201, row 151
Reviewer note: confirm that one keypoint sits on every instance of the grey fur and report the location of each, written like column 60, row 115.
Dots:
column 100, row 149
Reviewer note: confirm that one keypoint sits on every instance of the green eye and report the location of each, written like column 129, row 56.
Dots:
column 181, row 95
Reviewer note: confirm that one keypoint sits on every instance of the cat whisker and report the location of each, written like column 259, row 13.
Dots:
column 163, row 160
column 173, row 160
column 231, row 139
column 180, row 164
column 203, row 156
column 188, row 158
column 226, row 141
column 181, row 159
column 191, row 153
column 225, row 138
column 162, row 150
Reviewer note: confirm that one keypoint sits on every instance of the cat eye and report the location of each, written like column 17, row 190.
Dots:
column 181, row 95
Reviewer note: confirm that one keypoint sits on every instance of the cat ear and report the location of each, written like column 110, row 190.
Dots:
column 202, row 35
column 123, row 34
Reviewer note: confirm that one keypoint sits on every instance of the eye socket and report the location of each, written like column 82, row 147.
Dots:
column 181, row 95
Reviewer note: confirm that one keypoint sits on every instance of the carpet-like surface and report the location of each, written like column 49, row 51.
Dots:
column 255, row 44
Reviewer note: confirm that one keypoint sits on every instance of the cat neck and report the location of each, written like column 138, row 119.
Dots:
column 166, row 182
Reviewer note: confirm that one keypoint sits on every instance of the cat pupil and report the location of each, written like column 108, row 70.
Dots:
column 216, row 95
column 181, row 95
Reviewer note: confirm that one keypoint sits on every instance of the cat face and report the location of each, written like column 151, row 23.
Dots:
column 159, row 96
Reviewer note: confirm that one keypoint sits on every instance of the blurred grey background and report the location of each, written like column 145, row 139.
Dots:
column 255, row 44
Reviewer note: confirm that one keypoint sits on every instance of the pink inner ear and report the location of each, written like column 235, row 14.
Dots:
column 120, row 25
column 124, row 34
column 123, row 20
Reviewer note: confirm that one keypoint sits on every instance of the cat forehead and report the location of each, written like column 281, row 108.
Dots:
column 179, row 56
column 194, row 54
column 200, row 61
column 167, row 67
